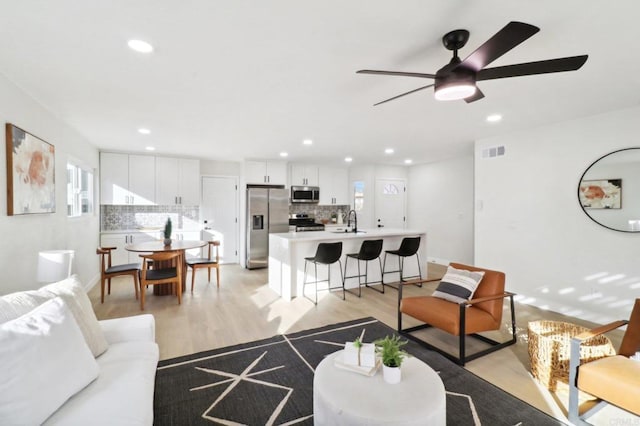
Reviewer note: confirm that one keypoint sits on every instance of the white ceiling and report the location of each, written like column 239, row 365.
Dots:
column 233, row 79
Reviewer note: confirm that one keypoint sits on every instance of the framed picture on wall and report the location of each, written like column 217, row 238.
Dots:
column 601, row 194
column 30, row 173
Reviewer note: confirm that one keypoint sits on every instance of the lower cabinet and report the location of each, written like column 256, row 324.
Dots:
column 119, row 240
column 190, row 236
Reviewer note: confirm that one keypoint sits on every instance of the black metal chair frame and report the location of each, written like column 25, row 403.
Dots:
column 400, row 269
column 462, row 357
column 362, row 255
column 315, row 262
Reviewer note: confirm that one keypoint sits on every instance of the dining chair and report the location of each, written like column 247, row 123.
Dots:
column 166, row 270
column 206, row 262
column 108, row 271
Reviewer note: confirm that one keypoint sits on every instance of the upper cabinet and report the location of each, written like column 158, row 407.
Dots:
column 177, row 181
column 334, row 185
column 127, row 179
column 304, row 174
column 266, row 172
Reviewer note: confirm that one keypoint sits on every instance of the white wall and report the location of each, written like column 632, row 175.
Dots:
column 529, row 223
column 441, row 202
column 24, row 236
column 220, row 168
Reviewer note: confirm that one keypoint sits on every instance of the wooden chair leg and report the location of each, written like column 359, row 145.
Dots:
column 193, row 278
column 179, row 289
column 109, row 292
column 135, row 283
column 209, row 273
column 142, row 292
column 218, row 276
column 102, row 290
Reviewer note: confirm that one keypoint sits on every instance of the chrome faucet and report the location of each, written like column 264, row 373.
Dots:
column 355, row 220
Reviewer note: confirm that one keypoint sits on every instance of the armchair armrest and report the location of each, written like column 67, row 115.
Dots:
column 135, row 328
column 599, row 330
column 486, row 299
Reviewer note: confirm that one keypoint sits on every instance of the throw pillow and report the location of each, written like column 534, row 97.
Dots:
column 44, row 361
column 74, row 295
column 458, row 285
column 15, row 305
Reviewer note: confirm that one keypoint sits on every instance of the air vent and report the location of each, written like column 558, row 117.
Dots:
column 494, row 151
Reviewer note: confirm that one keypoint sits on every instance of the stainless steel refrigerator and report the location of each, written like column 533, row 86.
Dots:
column 267, row 212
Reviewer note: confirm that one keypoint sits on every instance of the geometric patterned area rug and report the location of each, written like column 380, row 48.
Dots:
column 270, row 382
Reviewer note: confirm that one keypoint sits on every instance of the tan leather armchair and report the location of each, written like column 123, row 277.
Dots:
column 482, row 313
column 615, row 379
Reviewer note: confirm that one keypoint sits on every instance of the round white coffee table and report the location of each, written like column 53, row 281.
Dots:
column 342, row 397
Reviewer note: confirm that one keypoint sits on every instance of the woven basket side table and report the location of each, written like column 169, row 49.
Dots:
column 549, row 350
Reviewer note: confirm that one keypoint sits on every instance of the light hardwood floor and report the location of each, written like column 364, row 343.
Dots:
column 243, row 309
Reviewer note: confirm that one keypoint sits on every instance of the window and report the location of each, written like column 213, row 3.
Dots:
column 79, row 190
column 358, row 195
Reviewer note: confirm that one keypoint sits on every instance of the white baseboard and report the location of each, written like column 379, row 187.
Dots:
column 437, row 260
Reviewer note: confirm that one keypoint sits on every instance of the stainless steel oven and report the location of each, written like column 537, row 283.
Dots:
column 305, row 194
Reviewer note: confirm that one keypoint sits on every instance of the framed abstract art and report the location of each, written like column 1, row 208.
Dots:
column 30, row 173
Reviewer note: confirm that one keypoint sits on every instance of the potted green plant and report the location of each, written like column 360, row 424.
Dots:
column 392, row 355
column 167, row 232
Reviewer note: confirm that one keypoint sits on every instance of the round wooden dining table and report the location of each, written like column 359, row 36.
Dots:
column 158, row 246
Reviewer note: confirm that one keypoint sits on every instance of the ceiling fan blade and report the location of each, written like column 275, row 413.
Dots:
column 530, row 68
column 503, row 41
column 400, row 73
column 475, row 97
column 404, row 94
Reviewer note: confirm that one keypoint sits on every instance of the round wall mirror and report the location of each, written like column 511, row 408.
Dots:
column 609, row 190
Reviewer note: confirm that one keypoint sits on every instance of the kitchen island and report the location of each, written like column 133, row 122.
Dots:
column 288, row 250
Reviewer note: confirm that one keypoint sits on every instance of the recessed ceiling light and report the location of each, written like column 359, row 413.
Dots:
column 307, row 142
column 388, row 151
column 140, row 46
column 408, row 161
column 150, row 148
column 348, row 159
column 494, row 118
column 283, row 154
column 144, row 131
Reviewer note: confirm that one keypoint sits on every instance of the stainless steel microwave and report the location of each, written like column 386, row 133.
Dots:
column 305, row 194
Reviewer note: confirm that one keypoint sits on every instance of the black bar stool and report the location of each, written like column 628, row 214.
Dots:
column 326, row 254
column 369, row 250
column 408, row 247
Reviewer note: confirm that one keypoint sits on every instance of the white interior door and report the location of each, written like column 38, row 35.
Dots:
column 390, row 203
column 220, row 209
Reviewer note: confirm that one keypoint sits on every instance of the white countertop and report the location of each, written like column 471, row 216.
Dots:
column 333, row 235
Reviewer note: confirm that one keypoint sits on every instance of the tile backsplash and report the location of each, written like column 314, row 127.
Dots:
column 114, row 218
column 318, row 211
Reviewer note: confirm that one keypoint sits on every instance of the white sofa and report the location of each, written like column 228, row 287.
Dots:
column 122, row 392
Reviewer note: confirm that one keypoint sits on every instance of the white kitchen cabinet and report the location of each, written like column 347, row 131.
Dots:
column 334, row 185
column 127, row 179
column 119, row 240
column 265, row 172
column 177, row 181
column 304, row 174
column 180, row 235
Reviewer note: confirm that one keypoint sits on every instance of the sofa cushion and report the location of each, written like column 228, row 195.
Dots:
column 121, row 395
column 72, row 292
column 44, row 360
column 458, row 285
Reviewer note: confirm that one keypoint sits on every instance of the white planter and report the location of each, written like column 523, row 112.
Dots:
column 391, row 375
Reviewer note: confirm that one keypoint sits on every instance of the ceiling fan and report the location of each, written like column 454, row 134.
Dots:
column 457, row 79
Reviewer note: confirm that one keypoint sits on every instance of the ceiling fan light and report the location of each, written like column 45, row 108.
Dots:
column 455, row 92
